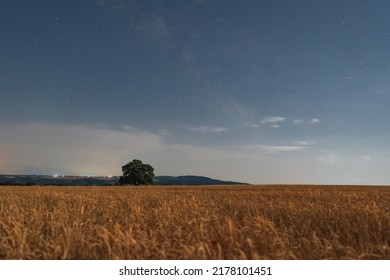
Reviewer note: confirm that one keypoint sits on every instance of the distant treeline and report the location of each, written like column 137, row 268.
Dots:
column 26, row 180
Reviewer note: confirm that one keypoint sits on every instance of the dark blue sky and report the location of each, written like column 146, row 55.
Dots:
column 258, row 91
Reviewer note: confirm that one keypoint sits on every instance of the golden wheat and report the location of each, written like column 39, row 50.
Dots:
column 203, row 222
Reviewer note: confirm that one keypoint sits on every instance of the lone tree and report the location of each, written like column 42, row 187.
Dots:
column 137, row 173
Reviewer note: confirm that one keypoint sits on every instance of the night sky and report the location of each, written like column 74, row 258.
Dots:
column 255, row 91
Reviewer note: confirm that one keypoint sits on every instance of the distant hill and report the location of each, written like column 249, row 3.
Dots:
column 191, row 180
column 42, row 180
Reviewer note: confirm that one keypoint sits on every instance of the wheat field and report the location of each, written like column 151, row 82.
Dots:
column 202, row 222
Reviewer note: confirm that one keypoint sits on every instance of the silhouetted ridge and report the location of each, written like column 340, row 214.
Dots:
column 191, row 180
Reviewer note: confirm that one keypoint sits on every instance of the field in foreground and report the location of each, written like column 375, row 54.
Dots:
column 213, row 222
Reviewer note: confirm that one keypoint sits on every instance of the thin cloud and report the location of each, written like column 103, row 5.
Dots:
column 303, row 143
column 276, row 148
column 298, row 121
column 272, row 120
column 314, row 121
column 253, row 125
column 208, row 129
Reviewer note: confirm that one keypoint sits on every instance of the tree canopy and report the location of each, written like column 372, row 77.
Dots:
column 137, row 173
